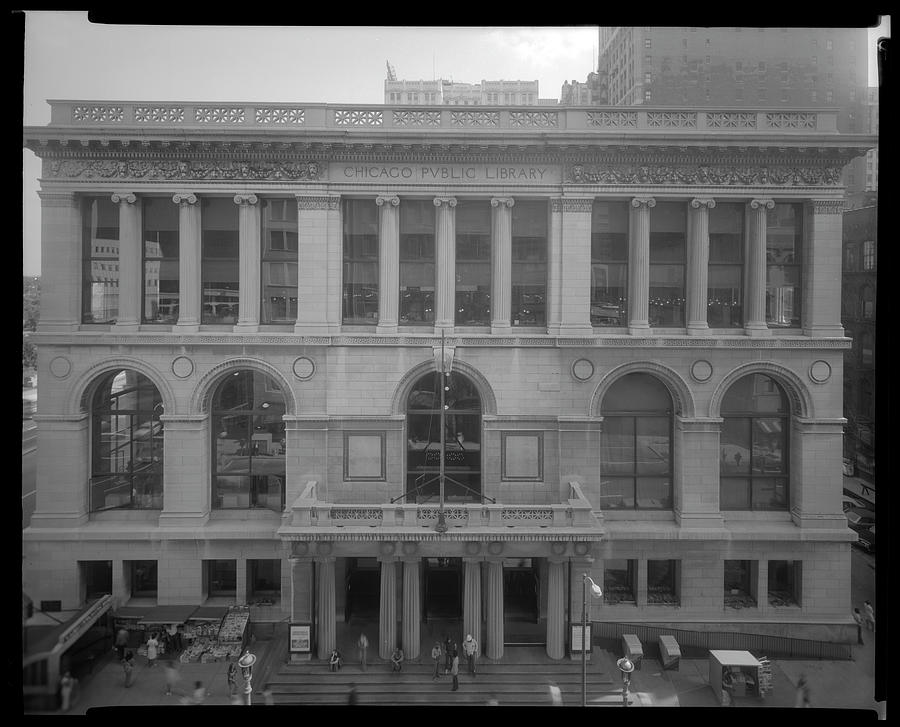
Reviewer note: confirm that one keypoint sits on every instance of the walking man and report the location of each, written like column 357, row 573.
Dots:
column 66, row 685
column 858, row 617
column 470, row 649
column 121, row 643
column 436, row 658
column 454, row 671
column 128, row 668
column 232, row 678
column 363, row 645
column 171, row 676
column 869, row 615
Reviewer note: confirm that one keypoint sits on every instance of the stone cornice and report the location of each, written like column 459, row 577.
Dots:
column 483, row 535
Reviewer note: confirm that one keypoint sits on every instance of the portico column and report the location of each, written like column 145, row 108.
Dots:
column 411, row 609
column 445, row 257
column 130, row 277
column 301, row 593
column 698, row 265
column 639, row 265
column 821, row 256
column 494, row 637
column 501, row 263
column 325, row 617
column 472, row 599
column 249, row 257
column 61, row 305
column 556, row 609
column 756, row 268
column 387, row 612
column 189, row 256
column 388, row 263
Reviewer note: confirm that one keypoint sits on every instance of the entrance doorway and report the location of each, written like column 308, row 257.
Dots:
column 521, row 589
column 443, row 588
column 362, row 588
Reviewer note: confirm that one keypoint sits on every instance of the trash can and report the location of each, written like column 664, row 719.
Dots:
column 669, row 652
column 631, row 645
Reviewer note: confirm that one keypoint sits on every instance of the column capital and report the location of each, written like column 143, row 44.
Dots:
column 707, row 202
column 127, row 197
column 392, row 200
column 448, row 201
column 638, row 202
column 57, row 199
column 245, row 199
column 766, row 202
column 827, row 206
column 318, row 201
column 502, row 202
column 184, row 198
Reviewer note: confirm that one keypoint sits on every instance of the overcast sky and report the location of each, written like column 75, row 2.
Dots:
column 67, row 57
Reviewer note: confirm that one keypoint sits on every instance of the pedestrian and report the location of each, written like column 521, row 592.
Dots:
column 232, row 678
column 268, row 697
column 492, row 701
column 363, row 645
column 198, row 696
column 397, row 660
column 152, row 650
column 869, row 615
column 470, row 649
column 128, row 668
column 727, row 688
column 449, row 648
column 172, row 638
column 803, row 693
column 436, row 658
column 335, row 661
column 172, row 676
column 454, row 671
column 352, row 697
column 121, row 644
column 66, row 686
column 555, row 695
column 858, row 617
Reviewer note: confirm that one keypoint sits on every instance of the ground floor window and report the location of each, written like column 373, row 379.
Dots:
column 740, row 583
column 264, row 579
column 662, row 582
column 221, row 578
column 96, row 578
column 784, row 582
column 618, row 581
column 143, row 578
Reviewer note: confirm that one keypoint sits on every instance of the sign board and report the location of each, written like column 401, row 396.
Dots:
column 300, row 641
column 576, row 640
column 505, row 174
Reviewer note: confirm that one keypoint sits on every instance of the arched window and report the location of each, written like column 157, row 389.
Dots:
column 126, row 443
column 636, row 445
column 462, row 439
column 753, row 470
column 248, row 442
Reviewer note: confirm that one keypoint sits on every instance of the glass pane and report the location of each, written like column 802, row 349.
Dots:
column 279, row 261
column 143, row 578
column 637, row 392
column 755, row 393
column 473, row 264
column 737, row 576
column 100, row 255
column 231, row 492
column 768, row 445
column 734, row 493
column 734, row 446
column 161, row 261
column 609, row 294
column 724, row 296
column 609, row 231
column 618, row 581
column 726, row 233
column 652, row 445
column 783, row 295
column 617, row 493
column 360, row 292
column 265, row 576
column 769, row 493
column 654, row 493
column 220, row 265
column 417, row 240
column 529, row 263
column 783, row 234
column 666, row 295
column 661, row 581
column 617, row 446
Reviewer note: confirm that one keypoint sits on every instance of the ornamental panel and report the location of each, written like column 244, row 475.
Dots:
column 791, row 121
column 278, row 115
column 159, row 114
column 613, row 118
column 703, row 174
column 417, row 118
column 475, row 118
column 354, row 117
column 540, row 119
column 183, row 169
column 672, row 119
column 737, row 120
column 98, row 113
column 219, row 114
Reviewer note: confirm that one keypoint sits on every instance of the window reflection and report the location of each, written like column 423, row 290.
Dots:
column 417, row 240
column 279, row 261
column 529, row 263
column 100, row 260
column 609, row 263
column 161, row 262
column 220, row 268
column 783, row 243
column 726, row 266
column 668, row 224
column 360, row 263
column 473, row 263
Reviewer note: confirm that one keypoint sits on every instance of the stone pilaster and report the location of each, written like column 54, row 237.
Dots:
column 639, row 265
column 387, row 612
column 388, row 264
column 556, row 608
column 301, row 589
column 121, row 588
column 821, row 310
column 240, row 583
column 494, row 638
column 445, row 268
column 696, row 463
column 554, row 267
column 501, row 263
column 130, row 277
column 320, row 258
column 325, row 606
column 756, row 268
column 189, row 257
column 411, row 616
column 186, row 503
column 61, row 261
column 698, row 265
column 575, row 295
column 815, row 470
column 472, row 599
column 249, row 262
column 62, row 481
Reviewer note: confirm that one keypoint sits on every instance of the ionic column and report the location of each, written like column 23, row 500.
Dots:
column 501, row 263
column 821, row 257
column 325, row 618
column 698, row 264
column 494, row 621
column 189, row 256
column 472, row 599
column 130, row 278
column 556, row 609
column 445, row 259
column 61, row 305
column 639, row 265
column 411, row 609
column 756, row 268
column 387, row 613
column 249, row 257
column 388, row 264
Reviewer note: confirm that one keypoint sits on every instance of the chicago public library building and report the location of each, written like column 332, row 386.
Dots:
column 242, row 323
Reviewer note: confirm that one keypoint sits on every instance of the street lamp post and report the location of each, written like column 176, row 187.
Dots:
column 597, row 592
column 626, row 666
column 246, row 663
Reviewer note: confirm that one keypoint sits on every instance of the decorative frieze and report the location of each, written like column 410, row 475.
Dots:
column 358, row 117
column 779, row 120
column 417, row 118
column 98, row 113
column 279, row 115
column 159, row 114
column 672, row 119
column 183, row 169
column 613, row 118
column 567, row 204
column 531, row 119
column 475, row 118
column 219, row 114
column 702, row 174
column 318, row 202
column 730, row 120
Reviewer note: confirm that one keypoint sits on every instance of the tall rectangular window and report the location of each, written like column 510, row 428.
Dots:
column 221, row 578
column 618, row 581
column 784, row 238
column 360, row 264
column 279, row 261
column 662, row 582
column 473, row 263
column 740, row 583
column 417, row 240
column 143, row 577
column 726, row 266
column 160, row 248
column 668, row 225
column 784, row 582
column 100, row 260
column 529, row 263
column 220, row 266
column 609, row 263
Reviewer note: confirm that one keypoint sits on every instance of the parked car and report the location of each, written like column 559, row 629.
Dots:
column 865, row 539
column 859, row 518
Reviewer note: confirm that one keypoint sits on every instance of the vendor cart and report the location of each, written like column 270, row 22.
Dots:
column 741, row 668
